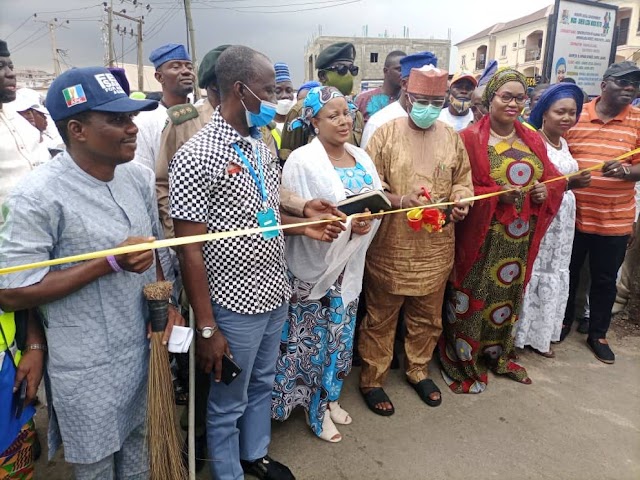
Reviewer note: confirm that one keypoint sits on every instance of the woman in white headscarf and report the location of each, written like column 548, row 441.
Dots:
column 317, row 341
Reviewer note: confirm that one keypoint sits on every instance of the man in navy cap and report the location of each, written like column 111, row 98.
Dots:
column 92, row 197
column 174, row 71
column 398, row 109
column 335, row 69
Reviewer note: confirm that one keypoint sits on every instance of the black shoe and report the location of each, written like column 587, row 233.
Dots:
column 36, row 449
column 201, row 452
column 601, row 351
column 583, row 325
column 564, row 333
column 266, row 468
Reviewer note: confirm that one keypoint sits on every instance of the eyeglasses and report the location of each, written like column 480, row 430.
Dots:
column 342, row 70
column 436, row 103
column 507, row 97
column 625, row 82
column 336, row 119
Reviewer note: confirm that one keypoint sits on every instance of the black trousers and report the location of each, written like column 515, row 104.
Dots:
column 606, row 255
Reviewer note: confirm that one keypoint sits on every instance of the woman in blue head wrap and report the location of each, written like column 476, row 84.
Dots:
column 561, row 69
column 317, row 341
column 556, row 111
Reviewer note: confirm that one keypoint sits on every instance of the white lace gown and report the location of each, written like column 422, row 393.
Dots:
column 546, row 296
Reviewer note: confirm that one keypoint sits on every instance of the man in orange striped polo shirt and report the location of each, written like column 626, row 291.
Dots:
column 608, row 127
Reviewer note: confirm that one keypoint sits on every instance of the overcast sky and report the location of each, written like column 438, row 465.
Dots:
column 282, row 36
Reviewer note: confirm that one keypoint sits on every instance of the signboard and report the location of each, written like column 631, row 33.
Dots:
column 582, row 43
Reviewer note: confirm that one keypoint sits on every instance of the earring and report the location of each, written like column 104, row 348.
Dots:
column 316, row 131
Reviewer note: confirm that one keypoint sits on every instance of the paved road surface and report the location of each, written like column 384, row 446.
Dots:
column 580, row 419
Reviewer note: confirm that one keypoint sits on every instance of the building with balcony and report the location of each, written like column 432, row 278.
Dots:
column 628, row 23
column 371, row 53
column 521, row 43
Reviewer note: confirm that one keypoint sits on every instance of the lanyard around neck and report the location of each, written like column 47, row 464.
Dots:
column 259, row 179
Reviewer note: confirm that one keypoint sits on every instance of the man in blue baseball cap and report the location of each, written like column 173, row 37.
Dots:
column 174, row 72
column 397, row 109
column 91, row 197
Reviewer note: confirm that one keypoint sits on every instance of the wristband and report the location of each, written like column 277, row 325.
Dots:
column 401, row 200
column 114, row 264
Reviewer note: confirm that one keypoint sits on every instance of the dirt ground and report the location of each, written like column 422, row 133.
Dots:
column 580, row 419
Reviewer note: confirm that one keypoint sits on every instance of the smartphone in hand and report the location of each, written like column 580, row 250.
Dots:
column 19, row 398
column 230, row 370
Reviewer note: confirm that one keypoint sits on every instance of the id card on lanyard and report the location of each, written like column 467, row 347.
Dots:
column 266, row 217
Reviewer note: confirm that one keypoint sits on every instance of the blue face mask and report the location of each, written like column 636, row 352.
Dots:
column 424, row 115
column 264, row 117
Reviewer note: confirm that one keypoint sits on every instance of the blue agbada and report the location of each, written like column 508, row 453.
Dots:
column 550, row 96
column 313, row 103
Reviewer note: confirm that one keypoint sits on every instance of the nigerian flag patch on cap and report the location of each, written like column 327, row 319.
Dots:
column 74, row 95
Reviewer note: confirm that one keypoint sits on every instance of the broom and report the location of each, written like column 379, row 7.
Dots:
column 162, row 431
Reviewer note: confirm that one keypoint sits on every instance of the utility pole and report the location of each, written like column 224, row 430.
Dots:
column 110, row 34
column 52, row 25
column 140, row 22
column 191, row 43
column 54, row 50
column 110, row 49
column 140, row 66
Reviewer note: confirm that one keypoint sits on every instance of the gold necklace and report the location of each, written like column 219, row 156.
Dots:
column 338, row 159
column 557, row 146
column 503, row 137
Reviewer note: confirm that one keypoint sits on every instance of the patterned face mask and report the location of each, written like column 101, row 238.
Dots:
column 460, row 105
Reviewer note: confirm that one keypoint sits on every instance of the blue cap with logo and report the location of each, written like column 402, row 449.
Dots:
column 416, row 60
column 168, row 52
column 90, row 89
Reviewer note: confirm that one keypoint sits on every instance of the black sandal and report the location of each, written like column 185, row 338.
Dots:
column 374, row 397
column 426, row 387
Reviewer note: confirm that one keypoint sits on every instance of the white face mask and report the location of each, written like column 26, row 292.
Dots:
column 284, row 106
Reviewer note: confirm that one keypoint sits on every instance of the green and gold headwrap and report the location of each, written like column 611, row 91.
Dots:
column 502, row 76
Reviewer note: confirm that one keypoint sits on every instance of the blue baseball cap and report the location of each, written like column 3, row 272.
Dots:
column 90, row 89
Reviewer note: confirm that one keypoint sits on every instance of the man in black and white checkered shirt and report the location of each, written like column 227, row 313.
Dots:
column 237, row 287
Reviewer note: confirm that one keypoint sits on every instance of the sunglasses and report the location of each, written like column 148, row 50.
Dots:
column 342, row 70
column 625, row 82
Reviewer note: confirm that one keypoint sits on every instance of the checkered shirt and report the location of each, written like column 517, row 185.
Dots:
column 209, row 183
